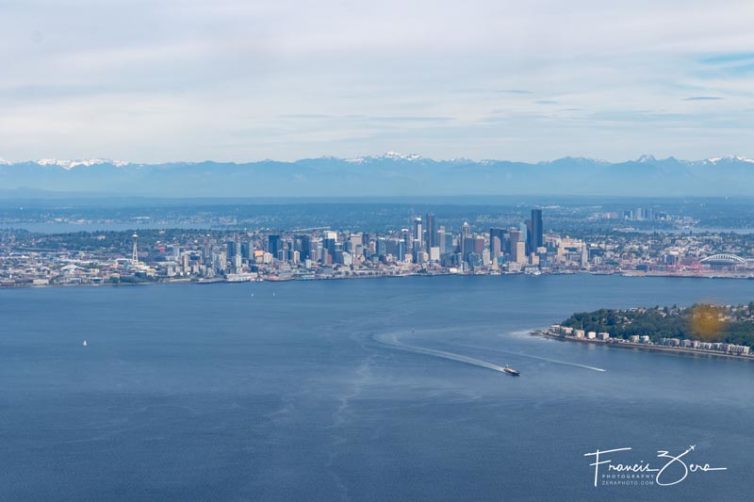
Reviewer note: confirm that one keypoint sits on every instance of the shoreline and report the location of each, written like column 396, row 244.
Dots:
column 199, row 281
column 685, row 351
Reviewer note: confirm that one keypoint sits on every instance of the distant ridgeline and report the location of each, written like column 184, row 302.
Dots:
column 709, row 323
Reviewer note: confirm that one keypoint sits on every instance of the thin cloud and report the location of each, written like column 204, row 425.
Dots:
column 239, row 80
column 728, row 58
column 515, row 91
column 703, row 98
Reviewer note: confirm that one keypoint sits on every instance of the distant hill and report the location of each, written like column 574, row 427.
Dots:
column 387, row 175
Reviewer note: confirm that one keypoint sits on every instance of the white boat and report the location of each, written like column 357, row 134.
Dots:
column 511, row 371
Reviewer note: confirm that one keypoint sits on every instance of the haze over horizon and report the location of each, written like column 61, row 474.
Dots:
column 237, row 81
column 391, row 175
column 388, row 155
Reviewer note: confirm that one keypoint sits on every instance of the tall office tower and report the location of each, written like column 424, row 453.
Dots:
column 430, row 231
column 401, row 250
column 317, row 250
column 528, row 236
column 274, row 245
column 466, row 237
column 246, row 250
column 365, row 246
column 441, row 240
column 450, row 245
column 479, row 245
column 221, row 263
column 329, row 243
column 303, row 244
column 287, row 250
column 406, row 237
column 230, row 250
column 514, row 237
column 391, row 247
column 497, row 237
column 357, row 244
column 467, row 246
column 381, row 247
column 496, row 250
column 519, row 252
column 417, row 232
column 416, row 251
column 465, row 229
column 206, row 252
column 535, row 235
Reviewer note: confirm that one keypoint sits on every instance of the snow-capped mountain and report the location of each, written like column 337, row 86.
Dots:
column 729, row 158
column 390, row 155
column 70, row 164
column 391, row 174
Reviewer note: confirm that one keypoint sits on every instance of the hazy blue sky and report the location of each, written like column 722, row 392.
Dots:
column 246, row 80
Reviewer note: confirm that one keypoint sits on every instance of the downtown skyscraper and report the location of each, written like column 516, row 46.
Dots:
column 535, row 235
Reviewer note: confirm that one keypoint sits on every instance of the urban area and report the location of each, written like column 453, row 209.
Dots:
column 424, row 246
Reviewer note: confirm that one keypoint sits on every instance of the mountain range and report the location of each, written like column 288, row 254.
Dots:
column 391, row 174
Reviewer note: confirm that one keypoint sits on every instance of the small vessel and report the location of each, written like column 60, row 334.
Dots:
column 84, row 344
column 511, row 371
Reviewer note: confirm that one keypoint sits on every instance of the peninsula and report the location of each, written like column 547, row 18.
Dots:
column 704, row 329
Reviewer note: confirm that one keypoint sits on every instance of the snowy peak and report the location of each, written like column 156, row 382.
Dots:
column 399, row 156
column 390, row 155
column 729, row 158
column 71, row 164
column 646, row 158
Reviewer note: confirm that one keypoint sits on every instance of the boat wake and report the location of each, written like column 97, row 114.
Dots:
column 540, row 358
column 557, row 361
column 392, row 341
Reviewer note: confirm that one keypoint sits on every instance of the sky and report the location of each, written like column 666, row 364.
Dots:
column 148, row 81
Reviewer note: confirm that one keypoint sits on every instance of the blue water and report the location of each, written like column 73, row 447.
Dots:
column 314, row 391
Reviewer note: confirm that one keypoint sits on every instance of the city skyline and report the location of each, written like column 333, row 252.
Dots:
column 424, row 246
